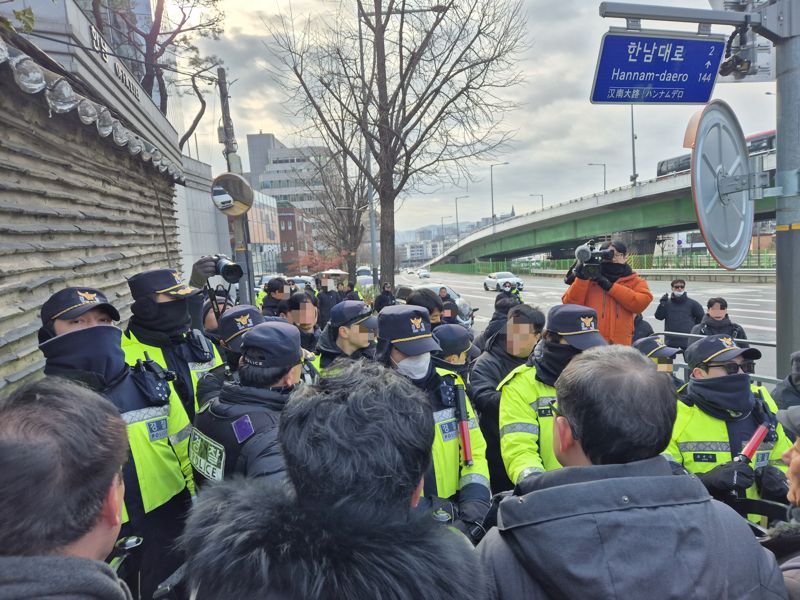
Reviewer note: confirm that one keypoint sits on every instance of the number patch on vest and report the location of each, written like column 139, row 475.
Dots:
column 206, row 456
column 761, row 459
column 449, row 430
column 157, row 429
column 706, row 458
column 201, row 366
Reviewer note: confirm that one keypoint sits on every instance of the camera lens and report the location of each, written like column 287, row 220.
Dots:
column 229, row 270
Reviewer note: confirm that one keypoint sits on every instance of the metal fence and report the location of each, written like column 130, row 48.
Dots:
column 637, row 261
column 756, row 378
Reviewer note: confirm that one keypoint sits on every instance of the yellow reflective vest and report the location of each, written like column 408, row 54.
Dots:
column 134, row 350
column 450, row 471
column 158, row 437
column 700, row 442
column 526, row 424
column 260, row 298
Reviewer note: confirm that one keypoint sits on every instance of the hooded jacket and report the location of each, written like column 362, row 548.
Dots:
column 489, row 370
column 681, row 314
column 269, row 308
column 787, row 392
column 624, row 531
column 496, row 323
column 249, row 540
column 328, row 351
column 616, row 308
column 725, row 326
column 251, row 448
column 641, row 328
column 59, row 578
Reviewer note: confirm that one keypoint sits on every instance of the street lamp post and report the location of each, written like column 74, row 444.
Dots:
column 458, row 229
column 540, row 196
column 605, row 189
column 491, row 185
column 634, row 175
column 443, row 218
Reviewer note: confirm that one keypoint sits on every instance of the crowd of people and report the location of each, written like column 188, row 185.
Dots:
column 316, row 446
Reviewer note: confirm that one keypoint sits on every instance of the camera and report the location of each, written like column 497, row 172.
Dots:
column 227, row 269
column 590, row 259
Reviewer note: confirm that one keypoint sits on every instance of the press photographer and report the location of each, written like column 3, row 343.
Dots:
column 603, row 280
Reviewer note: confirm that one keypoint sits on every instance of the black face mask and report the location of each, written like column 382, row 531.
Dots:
column 727, row 397
column 95, row 350
column 553, row 360
column 613, row 271
column 171, row 318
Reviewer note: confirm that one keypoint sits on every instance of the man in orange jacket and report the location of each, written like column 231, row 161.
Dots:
column 617, row 293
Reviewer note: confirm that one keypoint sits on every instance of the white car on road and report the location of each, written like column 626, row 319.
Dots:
column 424, row 273
column 495, row 281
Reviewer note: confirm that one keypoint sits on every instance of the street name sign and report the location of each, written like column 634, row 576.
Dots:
column 656, row 67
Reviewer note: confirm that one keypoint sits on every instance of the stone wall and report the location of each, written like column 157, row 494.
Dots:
column 75, row 209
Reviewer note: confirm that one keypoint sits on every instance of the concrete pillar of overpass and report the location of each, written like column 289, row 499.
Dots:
column 638, row 242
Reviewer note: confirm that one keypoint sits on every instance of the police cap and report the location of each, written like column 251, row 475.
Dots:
column 717, row 348
column 272, row 345
column 72, row 302
column 160, row 281
column 407, row 328
column 577, row 324
column 352, row 312
column 654, row 347
column 453, row 339
column 235, row 322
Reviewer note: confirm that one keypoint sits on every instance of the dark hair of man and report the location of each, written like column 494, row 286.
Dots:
column 283, row 307
column 276, row 285
column 426, row 298
column 620, row 408
column 61, row 445
column 528, row 315
column 723, row 304
column 260, row 377
column 504, row 303
column 351, row 286
column 552, row 336
column 387, row 423
column 298, row 298
column 674, row 281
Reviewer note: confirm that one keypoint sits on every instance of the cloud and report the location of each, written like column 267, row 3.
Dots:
column 558, row 130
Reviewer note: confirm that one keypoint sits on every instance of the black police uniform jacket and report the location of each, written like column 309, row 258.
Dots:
column 237, row 432
column 253, row 539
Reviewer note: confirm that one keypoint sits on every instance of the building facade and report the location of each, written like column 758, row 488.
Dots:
column 296, row 235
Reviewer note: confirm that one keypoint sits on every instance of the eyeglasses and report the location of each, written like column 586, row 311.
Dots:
column 678, row 287
column 732, row 368
column 556, row 413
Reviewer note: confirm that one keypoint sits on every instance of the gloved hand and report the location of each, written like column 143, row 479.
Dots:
column 203, row 269
column 664, row 299
column 471, row 514
column 580, row 272
column 728, row 477
column 771, row 484
column 603, row 282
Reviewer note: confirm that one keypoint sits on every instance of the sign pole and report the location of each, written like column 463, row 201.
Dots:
column 788, row 205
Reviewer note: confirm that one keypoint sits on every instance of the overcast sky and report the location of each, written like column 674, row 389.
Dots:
column 558, row 130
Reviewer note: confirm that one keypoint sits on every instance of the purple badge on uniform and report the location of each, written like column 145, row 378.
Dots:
column 243, row 428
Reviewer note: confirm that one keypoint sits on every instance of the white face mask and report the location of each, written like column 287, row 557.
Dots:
column 678, row 293
column 414, row 367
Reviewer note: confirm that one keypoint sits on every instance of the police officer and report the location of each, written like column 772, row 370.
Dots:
column 349, row 334
column 454, row 342
column 719, row 412
column 160, row 327
column 233, row 323
column 525, row 416
column 80, row 342
column 453, row 489
column 237, row 432
column 654, row 348
column 509, row 290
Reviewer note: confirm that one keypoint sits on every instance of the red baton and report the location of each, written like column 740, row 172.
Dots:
column 749, row 450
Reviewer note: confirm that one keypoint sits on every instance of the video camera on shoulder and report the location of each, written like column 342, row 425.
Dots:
column 591, row 258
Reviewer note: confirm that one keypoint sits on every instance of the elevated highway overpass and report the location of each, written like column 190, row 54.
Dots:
column 652, row 207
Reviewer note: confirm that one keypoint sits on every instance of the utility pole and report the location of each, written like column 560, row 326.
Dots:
column 238, row 226
column 634, row 175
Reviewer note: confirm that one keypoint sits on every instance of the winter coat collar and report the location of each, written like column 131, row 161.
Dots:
column 275, row 546
column 58, row 578
column 235, row 394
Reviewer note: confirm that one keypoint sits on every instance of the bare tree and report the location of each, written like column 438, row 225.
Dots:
column 428, row 98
